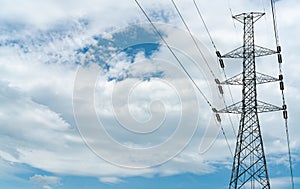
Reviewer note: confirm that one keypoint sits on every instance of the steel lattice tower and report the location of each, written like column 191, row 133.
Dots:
column 249, row 166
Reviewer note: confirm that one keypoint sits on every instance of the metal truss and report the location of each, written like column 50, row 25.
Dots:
column 260, row 79
column 258, row 51
column 249, row 168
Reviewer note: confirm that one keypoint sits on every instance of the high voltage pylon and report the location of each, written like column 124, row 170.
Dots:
column 249, row 166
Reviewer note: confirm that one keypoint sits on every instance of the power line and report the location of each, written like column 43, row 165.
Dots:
column 274, row 22
column 215, row 47
column 229, row 117
column 279, row 58
column 194, row 40
column 170, row 49
column 219, row 86
column 263, row 5
column 213, row 43
column 177, row 59
column 226, row 139
column 289, row 153
column 199, row 13
column 231, row 13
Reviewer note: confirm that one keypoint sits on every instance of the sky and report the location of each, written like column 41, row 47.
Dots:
column 92, row 97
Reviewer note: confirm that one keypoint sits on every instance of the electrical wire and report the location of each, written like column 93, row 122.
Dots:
column 226, row 139
column 180, row 63
column 282, row 93
column 231, row 13
column 170, row 49
column 229, row 117
column 200, row 15
column 263, row 6
column 196, row 44
column 223, row 70
column 194, row 40
column 274, row 22
column 289, row 153
column 203, row 95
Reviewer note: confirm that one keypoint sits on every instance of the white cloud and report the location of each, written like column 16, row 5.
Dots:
column 283, row 182
column 47, row 182
column 110, row 180
column 36, row 114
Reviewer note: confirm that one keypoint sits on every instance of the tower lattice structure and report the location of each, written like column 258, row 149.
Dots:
column 249, row 168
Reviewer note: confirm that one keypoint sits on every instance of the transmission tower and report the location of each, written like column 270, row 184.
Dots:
column 249, row 166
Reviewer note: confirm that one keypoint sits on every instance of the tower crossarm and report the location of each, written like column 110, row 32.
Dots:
column 254, row 16
column 266, row 107
column 237, row 108
column 258, row 51
column 262, row 51
column 260, row 79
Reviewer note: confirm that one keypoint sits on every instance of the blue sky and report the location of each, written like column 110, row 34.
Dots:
column 141, row 97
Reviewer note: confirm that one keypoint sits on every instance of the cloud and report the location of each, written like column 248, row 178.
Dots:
column 38, row 122
column 283, row 182
column 38, row 71
column 110, row 180
column 47, row 182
